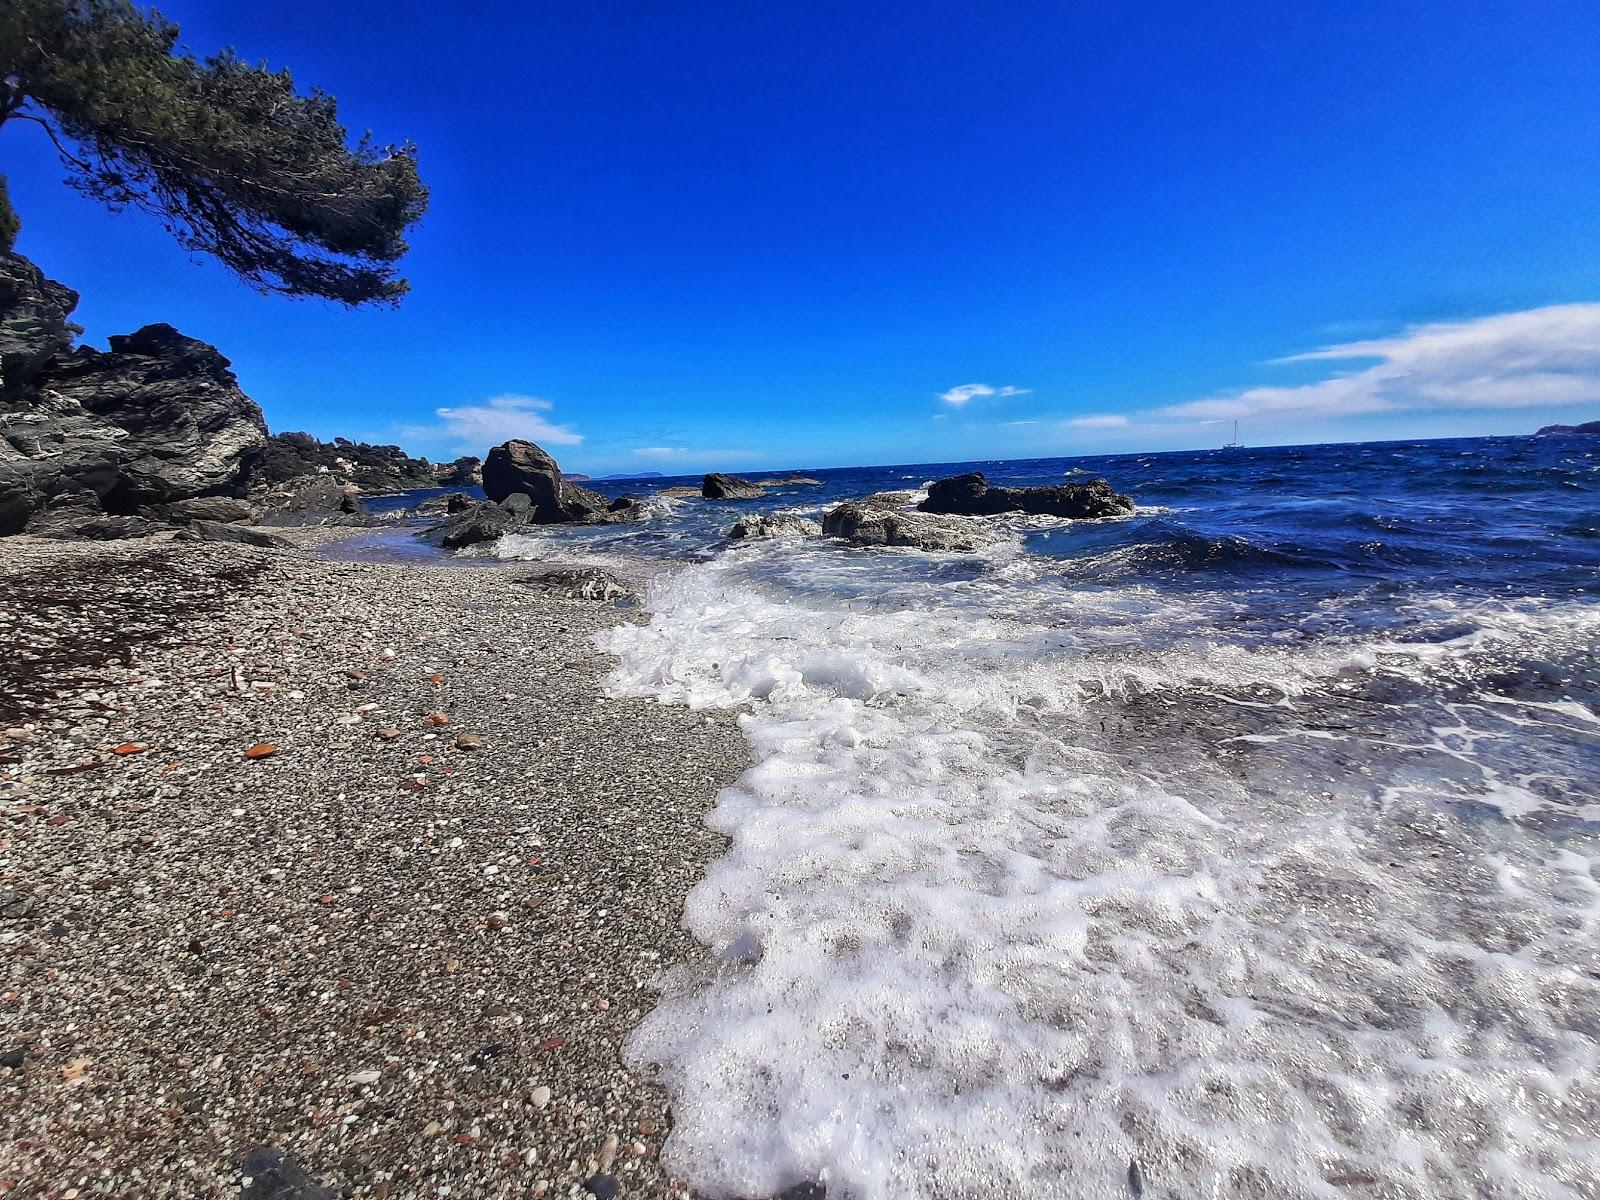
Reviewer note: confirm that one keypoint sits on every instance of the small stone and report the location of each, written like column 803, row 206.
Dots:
column 387, row 654
column 130, row 748
column 388, row 733
column 438, row 718
column 13, row 1059
column 414, row 783
column 469, row 741
column 540, row 1095
column 261, row 750
column 364, row 1078
column 602, row 1187
column 608, row 1152
column 498, row 920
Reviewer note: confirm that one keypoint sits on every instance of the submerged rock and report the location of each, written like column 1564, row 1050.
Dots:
column 870, row 525
column 729, row 487
column 971, row 495
column 773, row 525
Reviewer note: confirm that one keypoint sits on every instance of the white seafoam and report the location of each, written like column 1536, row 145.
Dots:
column 962, row 951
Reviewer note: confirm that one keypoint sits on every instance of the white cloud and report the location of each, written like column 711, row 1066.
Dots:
column 957, row 396
column 1536, row 358
column 1098, row 421
column 474, row 428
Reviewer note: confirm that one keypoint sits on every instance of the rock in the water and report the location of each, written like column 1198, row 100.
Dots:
column 481, row 523
column 525, row 487
column 773, row 525
column 729, row 487
column 522, row 466
column 971, row 495
column 869, row 525
column 273, row 1175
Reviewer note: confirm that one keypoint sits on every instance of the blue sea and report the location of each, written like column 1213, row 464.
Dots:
column 1242, row 847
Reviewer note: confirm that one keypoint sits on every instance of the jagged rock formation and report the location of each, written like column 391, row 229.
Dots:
column 102, row 443
column 971, row 495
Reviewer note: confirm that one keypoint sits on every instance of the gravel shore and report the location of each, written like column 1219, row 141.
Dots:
column 353, row 861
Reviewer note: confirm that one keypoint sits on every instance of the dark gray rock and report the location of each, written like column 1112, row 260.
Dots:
column 157, row 419
column 226, row 509
column 273, row 1175
column 34, row 325
column 316, row 500
column 773, row 525
column 182, row 426
column 1589, row 427
column 244, row 535
column 466, row 471
column 971, row 495
column 482, row 523
column 869, row 525
column 375, row 469
column 522, row 466
column 729, row 487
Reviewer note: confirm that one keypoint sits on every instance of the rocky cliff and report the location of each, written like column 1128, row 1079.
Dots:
column 94, row 443
column 154, row 433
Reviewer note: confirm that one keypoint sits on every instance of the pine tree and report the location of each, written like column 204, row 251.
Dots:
column 227, row 155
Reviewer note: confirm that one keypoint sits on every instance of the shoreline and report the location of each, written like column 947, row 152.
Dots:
column 372, row 952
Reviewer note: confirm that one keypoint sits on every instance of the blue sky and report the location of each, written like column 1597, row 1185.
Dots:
column 685, row 237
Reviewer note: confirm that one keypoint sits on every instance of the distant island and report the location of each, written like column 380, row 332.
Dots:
column 1562, row 430
column 632, row 475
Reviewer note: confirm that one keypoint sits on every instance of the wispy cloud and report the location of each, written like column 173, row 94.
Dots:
column 1098, row 421
column 960, row 395
column 474, row 428
column 1535, row 358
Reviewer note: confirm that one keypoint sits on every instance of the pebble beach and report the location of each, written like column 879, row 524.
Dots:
column 354, row 862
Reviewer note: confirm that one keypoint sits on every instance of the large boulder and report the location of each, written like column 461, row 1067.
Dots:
column 772, row 525
column 729, row 487
column 466, row 471
column 972, row 495
column 522, row 466
column 871, row 525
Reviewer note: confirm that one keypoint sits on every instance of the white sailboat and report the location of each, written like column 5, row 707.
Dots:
column 1235, row 444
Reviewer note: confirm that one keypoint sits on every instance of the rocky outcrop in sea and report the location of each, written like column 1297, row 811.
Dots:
column 524, row 486
column 972, row 495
